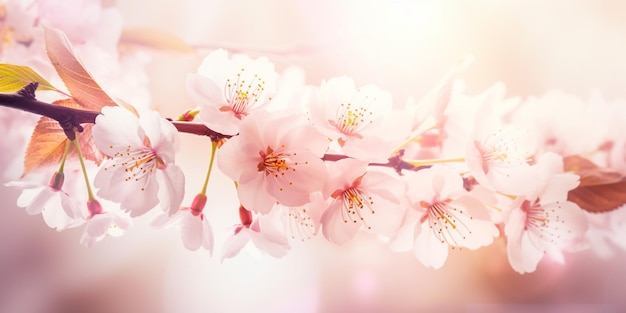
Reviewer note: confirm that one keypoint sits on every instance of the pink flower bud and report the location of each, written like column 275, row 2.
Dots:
column 189, row 115
column 56, row 181
column 198, row 204
column 94, row 207
column 245, row 216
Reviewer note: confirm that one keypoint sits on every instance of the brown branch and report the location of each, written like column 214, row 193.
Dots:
column 71, row 119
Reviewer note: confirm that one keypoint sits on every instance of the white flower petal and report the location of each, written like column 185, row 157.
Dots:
column 207, row 235
column 38, row 203
column 171, row 188
column 191, row 231
column 235, row 243
column 429, row 250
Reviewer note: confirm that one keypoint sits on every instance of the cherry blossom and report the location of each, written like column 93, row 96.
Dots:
column 615, row 137
column 101, row 224
column 264, row 231
column 497, row 156
column 195, row 229
column 360, row 120
column 446, row 173
column 605, row 233
column 361, row 198
column 228, row 89
column 274, row 159
column 59, row 209
column 442, row 214
column 303, row 222
column 563, row 123
column 141, row 172
column 16, row 127
column 543, row 221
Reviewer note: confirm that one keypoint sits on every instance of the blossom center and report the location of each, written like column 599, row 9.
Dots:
column 138, row 163
column 273, row 163
column 299, row 223
column 544, row 221
column 351, row 119
column 501, row 149
column 241, row 95
column 444, row 220
column 355, row 202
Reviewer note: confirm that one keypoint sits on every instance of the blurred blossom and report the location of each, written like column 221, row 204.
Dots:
column 550, row 55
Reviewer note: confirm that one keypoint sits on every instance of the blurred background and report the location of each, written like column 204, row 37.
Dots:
column 404, row 47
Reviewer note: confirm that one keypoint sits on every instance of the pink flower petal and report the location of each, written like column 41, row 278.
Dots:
column 333, row 226
column 207, row 235
column 171, row 188
column 235, row 243
column 429, row 250
column 191, row 231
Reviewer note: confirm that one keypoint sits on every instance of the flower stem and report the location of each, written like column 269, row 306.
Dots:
column 82, row 165
column 512, row 197
column 208, row 174
column 404, row 144
column 417, row 138
column 433, row 161
column 67, row 150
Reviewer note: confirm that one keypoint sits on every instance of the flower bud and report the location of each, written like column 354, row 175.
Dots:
column 56, row 181
column 198, row 204
column 189, row 115
column 245, row 216
column 94, row 207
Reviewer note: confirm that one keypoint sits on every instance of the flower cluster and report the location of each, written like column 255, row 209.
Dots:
column 340, row 160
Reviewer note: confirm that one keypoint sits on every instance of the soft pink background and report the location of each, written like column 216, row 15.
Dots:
column 404, row 47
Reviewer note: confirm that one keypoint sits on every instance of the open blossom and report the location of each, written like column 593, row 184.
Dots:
column 564, row 123
column 59, row 209
column 497, row 156
column 543, row 221
column 101, row 224
column 361, row 198
column 606, row 232
column 442, row 214
column 303, row 222
column 15, row 127
column 360, row 120
column 140, row 172
column 274, row 159
column 228, row 89
column 195, row 229
column 264, row 231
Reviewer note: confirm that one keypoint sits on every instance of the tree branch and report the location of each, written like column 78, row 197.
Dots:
column 71, row 119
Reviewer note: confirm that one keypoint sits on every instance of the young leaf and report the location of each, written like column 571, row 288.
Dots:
column 78, row 81
column 47, row 142
column 15, row 77
column 600, row 190
column 88, row 147
column 46, row 145
column 153, row 39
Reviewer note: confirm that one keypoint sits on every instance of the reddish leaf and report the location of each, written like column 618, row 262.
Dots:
column 78, row 81
column 47, row 143
column 600, row 190
column 88, row 147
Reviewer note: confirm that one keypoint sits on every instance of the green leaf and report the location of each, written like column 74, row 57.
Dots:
column 15, row 77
